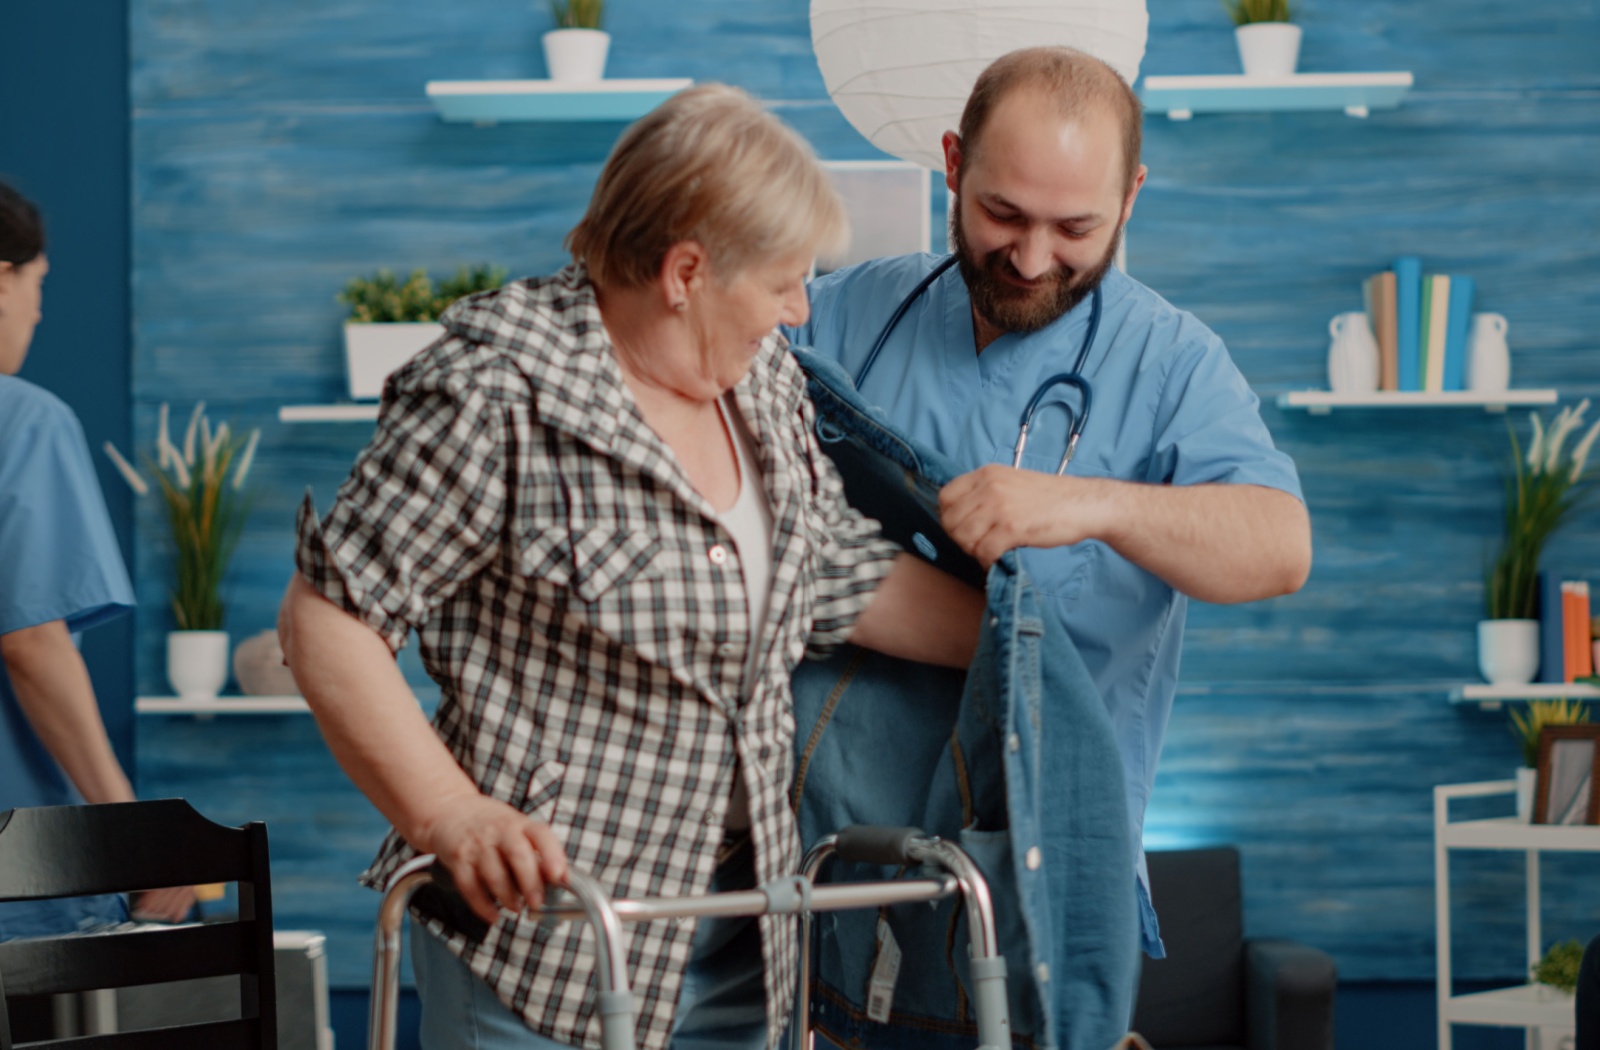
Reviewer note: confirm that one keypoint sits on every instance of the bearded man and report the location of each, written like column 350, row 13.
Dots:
column 1174, row 491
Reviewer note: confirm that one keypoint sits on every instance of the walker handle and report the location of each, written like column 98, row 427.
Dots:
column 876, row 844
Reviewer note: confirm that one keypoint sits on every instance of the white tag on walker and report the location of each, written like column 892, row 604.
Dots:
column 885, row 971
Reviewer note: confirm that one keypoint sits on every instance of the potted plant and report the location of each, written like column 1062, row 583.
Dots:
column 202, row 484
column 576, row 49
column 1545, row 485
column 1559, row 967
column 390, row 321
column 1269, row 42
column 1526, row 726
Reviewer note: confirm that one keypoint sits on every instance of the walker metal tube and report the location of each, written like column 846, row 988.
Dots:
column 991, row 1008
column 616, row 998
column 800, row 1026
column 411, row 876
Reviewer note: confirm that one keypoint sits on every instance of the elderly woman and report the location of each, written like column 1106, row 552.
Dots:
column 600, row 503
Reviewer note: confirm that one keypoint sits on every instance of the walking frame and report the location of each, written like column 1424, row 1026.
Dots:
column 796, row 895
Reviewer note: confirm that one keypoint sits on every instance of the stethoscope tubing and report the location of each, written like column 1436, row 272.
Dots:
column 1075, row 378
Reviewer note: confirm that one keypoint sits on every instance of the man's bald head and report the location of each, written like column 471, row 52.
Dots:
column 1073, row 83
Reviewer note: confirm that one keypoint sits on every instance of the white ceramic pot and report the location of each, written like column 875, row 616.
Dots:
column 197, row 663
column 1527, row 779
column 1508, row 651
column 1352, row 355
column 1488, row 356
column 1268, row 49
column 576, row 55
column 372, row 351
column 258, row 667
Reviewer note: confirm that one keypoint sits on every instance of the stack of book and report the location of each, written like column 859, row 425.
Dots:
column 1421, row 322
column 1565, row 652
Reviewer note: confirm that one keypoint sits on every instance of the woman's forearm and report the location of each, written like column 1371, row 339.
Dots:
column 368, row 714
column 54, row 691
column 919, row 613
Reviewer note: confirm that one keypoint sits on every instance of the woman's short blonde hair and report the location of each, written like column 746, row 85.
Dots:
column 707, row 165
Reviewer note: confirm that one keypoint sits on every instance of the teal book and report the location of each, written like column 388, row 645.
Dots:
column 1408, row 320
column 1456, row 330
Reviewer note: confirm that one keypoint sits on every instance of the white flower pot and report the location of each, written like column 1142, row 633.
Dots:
column 576, row 54
column 1268, row 49
column 1527, row 779
column 1508, row 651
column 372, row 351
column 197, row 663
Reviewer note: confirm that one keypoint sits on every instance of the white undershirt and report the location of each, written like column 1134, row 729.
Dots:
column 749, row 522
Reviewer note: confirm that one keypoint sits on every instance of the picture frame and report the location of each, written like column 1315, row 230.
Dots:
column 1569, row 768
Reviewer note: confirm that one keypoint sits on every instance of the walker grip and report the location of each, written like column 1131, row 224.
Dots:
column 874, row 844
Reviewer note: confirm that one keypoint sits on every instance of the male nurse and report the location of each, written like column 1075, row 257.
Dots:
column 1175, row 489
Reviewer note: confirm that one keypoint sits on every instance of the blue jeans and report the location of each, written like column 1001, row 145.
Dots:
column 722, row 1005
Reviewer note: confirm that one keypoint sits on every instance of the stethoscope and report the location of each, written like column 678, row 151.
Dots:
column 1076, row 421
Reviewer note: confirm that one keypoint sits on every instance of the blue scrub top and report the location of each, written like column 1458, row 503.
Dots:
column 1169, row 407
column 59, row 560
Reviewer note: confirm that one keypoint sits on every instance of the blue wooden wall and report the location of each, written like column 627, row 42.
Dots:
column 280, row 149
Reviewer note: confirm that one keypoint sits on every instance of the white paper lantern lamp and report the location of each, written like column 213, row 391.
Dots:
column 901, row 70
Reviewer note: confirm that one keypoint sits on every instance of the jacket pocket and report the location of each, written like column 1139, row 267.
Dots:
column 604, row 557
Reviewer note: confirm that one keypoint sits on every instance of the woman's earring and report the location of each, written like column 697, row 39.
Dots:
column 681, row 305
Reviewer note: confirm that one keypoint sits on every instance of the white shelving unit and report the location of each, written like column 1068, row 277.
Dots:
column 1491, row 697
column 1357, row 94
column 1321, row 402
column 222, row 705
column 353, row 413
column 1544, row 1012
column 496, row 101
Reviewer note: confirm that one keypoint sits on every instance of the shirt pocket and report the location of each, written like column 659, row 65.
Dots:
column 590, row 561
column 537, row 786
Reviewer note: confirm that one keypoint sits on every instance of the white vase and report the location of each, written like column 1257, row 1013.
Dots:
column 1527, row 779
column 1488, row 356
column 1508, row 651
column 197, row 663
column 576, row 55
column 372, row 351
column 1352, row 355
column 1268, row 49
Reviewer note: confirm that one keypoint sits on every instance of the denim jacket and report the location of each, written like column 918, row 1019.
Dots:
column 1014, row 760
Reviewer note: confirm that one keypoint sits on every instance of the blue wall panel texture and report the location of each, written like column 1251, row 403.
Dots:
column 278, row 150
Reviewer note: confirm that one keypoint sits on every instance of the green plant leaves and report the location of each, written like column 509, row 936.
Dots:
column 382, row 298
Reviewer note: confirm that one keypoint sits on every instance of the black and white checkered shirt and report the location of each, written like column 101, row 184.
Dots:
column 584, row 616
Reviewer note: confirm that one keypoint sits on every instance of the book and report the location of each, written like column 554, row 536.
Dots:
column 1436, row 311
column 1457, row 328
column 1408, row 321
column 1569, row 615
column 1552, row 628
column 1583, row 659
column 1382, row 316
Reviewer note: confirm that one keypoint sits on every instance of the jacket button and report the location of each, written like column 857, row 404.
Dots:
column 1014, row 742
column 1033, row 859
column 1042, row 971
column 719, row 554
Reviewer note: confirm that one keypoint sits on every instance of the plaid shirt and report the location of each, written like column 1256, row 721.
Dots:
column 584, row 615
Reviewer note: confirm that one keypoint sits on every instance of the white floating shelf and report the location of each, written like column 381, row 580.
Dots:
column 327, row 413
column 1490, row 697
column 1509, row 833
column 1525, row 1004
column 493, row 101
column 1355, row 93
column 1321, row 402
column 222, row 705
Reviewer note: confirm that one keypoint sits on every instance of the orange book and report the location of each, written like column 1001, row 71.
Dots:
column 1569, row 616
column 1382, row 313
column 1580, row 633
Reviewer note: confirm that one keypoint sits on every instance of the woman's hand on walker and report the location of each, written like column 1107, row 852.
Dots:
column 499, row 856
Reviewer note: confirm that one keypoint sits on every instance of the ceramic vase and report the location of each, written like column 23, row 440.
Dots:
column 1268, row 49
column 1508, row 651
column 1488, row 356
column 1352, row 355
column 1527, row 780
column 576, row 55
column 197, row 663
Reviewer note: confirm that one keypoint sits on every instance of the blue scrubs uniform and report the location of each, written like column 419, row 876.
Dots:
column 1169, row 407
column 58, row 561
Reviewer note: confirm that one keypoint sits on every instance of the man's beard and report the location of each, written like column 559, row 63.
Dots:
column 1012, row 309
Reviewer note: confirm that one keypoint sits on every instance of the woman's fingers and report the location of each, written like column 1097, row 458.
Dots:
column 523, row 865
column 552, row 857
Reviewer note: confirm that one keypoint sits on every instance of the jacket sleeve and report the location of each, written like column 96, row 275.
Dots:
column 422, row 511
